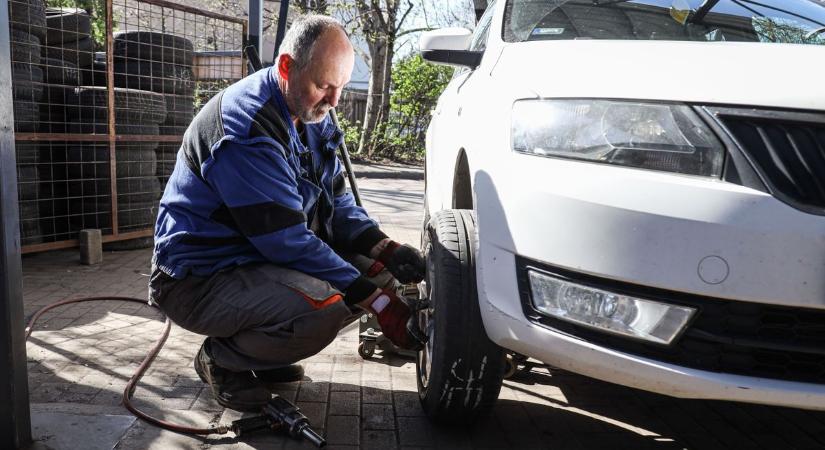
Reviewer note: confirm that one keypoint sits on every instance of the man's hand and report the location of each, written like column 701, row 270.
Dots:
column 404, row 262
column 393, row 315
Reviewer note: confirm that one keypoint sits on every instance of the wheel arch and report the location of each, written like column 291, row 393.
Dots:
column 462, row 183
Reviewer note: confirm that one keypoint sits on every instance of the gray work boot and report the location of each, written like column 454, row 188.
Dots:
column 235, row 390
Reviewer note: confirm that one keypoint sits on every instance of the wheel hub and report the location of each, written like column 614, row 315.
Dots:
column 426, row 323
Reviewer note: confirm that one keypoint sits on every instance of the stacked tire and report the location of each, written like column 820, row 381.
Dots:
column 28, row 192
column 27, row 30
column 27, row 20
column 88, row 168
column 67, row 53
column 160, row 63
column 69, row 38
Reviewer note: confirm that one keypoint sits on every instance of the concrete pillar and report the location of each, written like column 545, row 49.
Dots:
column 91, row 247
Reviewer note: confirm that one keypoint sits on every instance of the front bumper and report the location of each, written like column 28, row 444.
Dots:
column 579, row 356
column 686, row 235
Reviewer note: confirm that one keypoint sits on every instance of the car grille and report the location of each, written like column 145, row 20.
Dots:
column 732, row 337
column 788, row 149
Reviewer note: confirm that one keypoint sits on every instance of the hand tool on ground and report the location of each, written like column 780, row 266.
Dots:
column 279, row 414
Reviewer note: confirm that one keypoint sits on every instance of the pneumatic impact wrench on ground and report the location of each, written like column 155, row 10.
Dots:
column 279, row 414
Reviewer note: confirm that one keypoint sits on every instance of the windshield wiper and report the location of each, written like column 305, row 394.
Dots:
column 703, row 11
column 815, row 33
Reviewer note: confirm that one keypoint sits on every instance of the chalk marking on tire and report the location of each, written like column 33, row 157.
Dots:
column 468, row 390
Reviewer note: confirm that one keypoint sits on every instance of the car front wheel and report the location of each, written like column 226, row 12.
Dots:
column 460, row 370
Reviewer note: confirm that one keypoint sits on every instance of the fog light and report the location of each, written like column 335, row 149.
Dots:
column 608, row 311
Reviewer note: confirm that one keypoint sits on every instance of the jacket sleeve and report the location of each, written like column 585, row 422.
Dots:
column 259, row 188
column 354, row 229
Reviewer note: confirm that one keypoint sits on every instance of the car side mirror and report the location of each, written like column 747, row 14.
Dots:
column 449, row 46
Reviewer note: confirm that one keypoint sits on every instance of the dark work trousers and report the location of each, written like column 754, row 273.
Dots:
column 259, row 316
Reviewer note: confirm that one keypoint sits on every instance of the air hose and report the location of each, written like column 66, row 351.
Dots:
column 141, row 370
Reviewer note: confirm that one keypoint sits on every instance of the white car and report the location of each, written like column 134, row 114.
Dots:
column 629, row 190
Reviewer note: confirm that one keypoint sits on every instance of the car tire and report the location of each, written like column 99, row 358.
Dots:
column 130, row 244
column 133, row 160
column 132, row 108
column 28, row 183
column 153, row 46
column 27, row 82
column 133, row 192
column 94, row 75
column 28, row 16
column 58, row 104
column 460, row 370
column 26, row 116
column 30, row 230
column 156, row 76
column 136, row 216
column 25, row 47
column 80, row 53
column 64, row 25
column 180, row 110
column 28, row 153
column 57, row 71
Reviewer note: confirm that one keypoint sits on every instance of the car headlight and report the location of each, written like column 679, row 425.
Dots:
column 607, row 311
column 656, row 136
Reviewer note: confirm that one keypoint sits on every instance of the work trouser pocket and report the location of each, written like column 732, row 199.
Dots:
column 317, row 293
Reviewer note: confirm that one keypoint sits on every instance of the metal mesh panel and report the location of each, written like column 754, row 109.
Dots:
column 101, row 103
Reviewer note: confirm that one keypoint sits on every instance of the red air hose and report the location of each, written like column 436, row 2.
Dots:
column 144, row 365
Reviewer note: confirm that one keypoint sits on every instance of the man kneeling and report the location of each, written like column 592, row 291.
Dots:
column 258, row 244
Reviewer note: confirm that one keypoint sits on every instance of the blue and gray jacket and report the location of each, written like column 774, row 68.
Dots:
column 245, row 189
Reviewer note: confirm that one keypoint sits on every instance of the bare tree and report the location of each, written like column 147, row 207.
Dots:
column 312, row 6
column 379, row 22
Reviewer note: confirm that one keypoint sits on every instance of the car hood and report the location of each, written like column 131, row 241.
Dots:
column 772, row 75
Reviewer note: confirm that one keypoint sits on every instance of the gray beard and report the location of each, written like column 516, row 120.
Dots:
column 314, row 115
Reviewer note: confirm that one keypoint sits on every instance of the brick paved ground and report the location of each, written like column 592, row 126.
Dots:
column 81, row 356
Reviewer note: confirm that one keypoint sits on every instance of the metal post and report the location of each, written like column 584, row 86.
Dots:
column 110, row 107
column 256, row 30
column 282, row 16
column 15, row 418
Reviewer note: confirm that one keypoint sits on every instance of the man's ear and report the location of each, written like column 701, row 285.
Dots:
column 284, row 64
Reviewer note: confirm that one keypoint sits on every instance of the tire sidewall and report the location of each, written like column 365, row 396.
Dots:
column 461, row 349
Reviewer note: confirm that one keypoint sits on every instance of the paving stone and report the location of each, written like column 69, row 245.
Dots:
column 163, row 403
column 376, row 392
column 378, row 440
column 345, row 403
column 346, row 380
column 316, row 412
column 313, row 392
column 206, row 401
column 318, row 371
column 407, row 404
column 377, row 417
column 343, row 430
column 415, row 431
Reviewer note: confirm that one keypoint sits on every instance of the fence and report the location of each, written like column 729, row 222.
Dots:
column 352, row 106
column 102, row 97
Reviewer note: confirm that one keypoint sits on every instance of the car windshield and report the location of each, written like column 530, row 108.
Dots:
column 770, row 21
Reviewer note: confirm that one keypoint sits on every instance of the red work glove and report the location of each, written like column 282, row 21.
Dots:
column 394, row 316
column 404, row 262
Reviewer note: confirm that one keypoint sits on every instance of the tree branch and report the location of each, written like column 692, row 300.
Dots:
column 403, row 17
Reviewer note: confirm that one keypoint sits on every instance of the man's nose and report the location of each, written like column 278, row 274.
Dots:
column 333, row 97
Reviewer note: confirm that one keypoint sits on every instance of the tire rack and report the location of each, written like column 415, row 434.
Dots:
column 217, row 40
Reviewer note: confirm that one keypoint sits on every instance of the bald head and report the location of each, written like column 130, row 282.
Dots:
column 314, row 66
column 305, row 33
